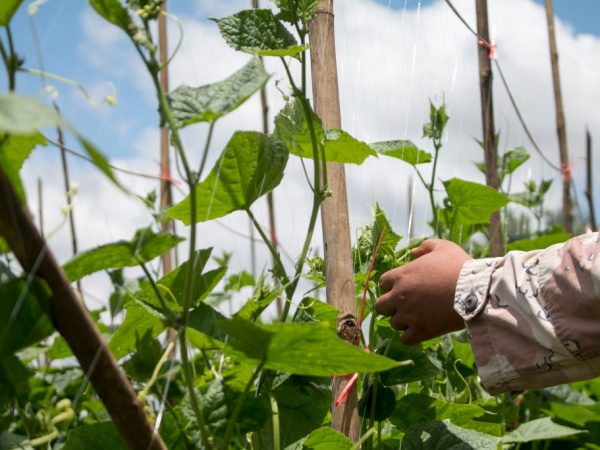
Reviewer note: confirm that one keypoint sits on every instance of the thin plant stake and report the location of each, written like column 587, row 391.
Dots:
column 334, row 210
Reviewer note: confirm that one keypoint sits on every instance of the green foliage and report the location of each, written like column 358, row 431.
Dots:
column 301, row 348
column 539, row 242
column 258, row 31
column 326, row 439
column 114, row 12
column 296, row 10
column 510, row 161
column 403, row 150
column 539, row 430
column 445, row 435
column 14, row 150
column 143, row 247
column 212, row 101
column 251, row 165
column 97, row 436
column 472, row 203
column 24, row 314
column 437, row 122
column 7, row 10
column 139, row 321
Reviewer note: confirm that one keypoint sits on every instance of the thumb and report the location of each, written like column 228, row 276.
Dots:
column 427, row 246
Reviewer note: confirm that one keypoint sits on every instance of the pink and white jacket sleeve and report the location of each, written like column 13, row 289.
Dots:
column 534, row 317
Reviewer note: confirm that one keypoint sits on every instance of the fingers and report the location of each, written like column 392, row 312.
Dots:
column 411, row 337
column 398, row 322
column 427, row 246
column 386, row 281
column 385, row 304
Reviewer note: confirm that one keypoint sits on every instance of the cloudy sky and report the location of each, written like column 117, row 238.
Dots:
column 393, row 56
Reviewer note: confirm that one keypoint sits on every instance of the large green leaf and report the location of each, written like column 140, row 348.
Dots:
column 258, row 31
column 377, row 402
column 426, row 363
column 24, row 314
column 142, row 363
column 296, row 10
column 539, row 430
column 446, row 436
column 145, row 246
column 14, row 379
column 212, row 101
column 301, row 348
column 20, row 115
column 14, row 150
column 7, row 9
column 404, row 150
column 539, row 242
column 139, row 320
column 326, row 438
column 343, row 148
column 292, row 128
column 577, row 415
column 418, row 408
column 473, row 203
column 97, row 436
column 115, row 13
column 251, row 165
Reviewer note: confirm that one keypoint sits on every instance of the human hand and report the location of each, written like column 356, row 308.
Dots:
column 420, row 295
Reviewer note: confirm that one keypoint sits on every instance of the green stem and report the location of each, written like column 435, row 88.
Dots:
column 178, row 424
column 13, row 61
column 205, row 152
column 150, row 278
column 431, row 187
column 189, row 381
column 275, row 423
column 363, row 438
column 238, row 408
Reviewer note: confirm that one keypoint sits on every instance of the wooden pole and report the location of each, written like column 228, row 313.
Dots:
column 334, row 211
column 74, row 323
column 487, row 117
column 589, row 190
column 561, row 128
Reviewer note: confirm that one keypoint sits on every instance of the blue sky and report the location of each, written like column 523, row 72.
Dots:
column 391, row 62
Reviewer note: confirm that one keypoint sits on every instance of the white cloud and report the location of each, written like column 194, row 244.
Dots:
column 390, row 64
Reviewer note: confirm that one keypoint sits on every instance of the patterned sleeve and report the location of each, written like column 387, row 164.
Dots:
column 534, row 317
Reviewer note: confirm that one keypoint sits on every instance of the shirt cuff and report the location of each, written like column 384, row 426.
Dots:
column 473, row 286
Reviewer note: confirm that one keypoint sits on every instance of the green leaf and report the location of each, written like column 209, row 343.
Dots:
column 425, row 364
column 212, row 101
column 238, row 281
column 512, row 160
column 577, row 415
column 14, row 150
column 417, row 408
column 437, row 121
column 446, row 436
column 98, row 436
column 145, row 246
column 539, row 242
column 251, row 165
column 204, row 319
column 539, row 430
column 314, row 310
column 262, row 297
column 14, row 379
column 326, row 438
column 473, row 203
column 139, row 320
column 378, row 402
column 301, row 348
column 381, row 229
column 300, row 10
column 20, row 115
column 257, row 31
column 404, row 150
column 147, row 353
column 24, row 314
column 292, row 128
column 115, row 13
column 303, row 404
column 343, row 148
column 7, row 10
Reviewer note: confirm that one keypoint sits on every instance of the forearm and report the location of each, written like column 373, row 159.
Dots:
column 534, row 317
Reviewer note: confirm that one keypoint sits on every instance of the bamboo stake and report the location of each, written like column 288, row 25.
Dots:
column 74, row 323
column 334, row 211
column 166, row 193
column 589, row 190
column 561, row 128
column 487, row 117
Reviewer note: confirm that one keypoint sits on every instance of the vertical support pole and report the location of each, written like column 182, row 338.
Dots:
column 589, row 190
column 487, row 116
column 166, row 196
column 334, row 211
column 561, row 129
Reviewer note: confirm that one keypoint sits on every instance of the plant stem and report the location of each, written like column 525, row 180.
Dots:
column 205, row 152
column 431, row 186
column 150, row 278
column 238, row 408
column 275, row 424
column 363, row 438
column 13, row 61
